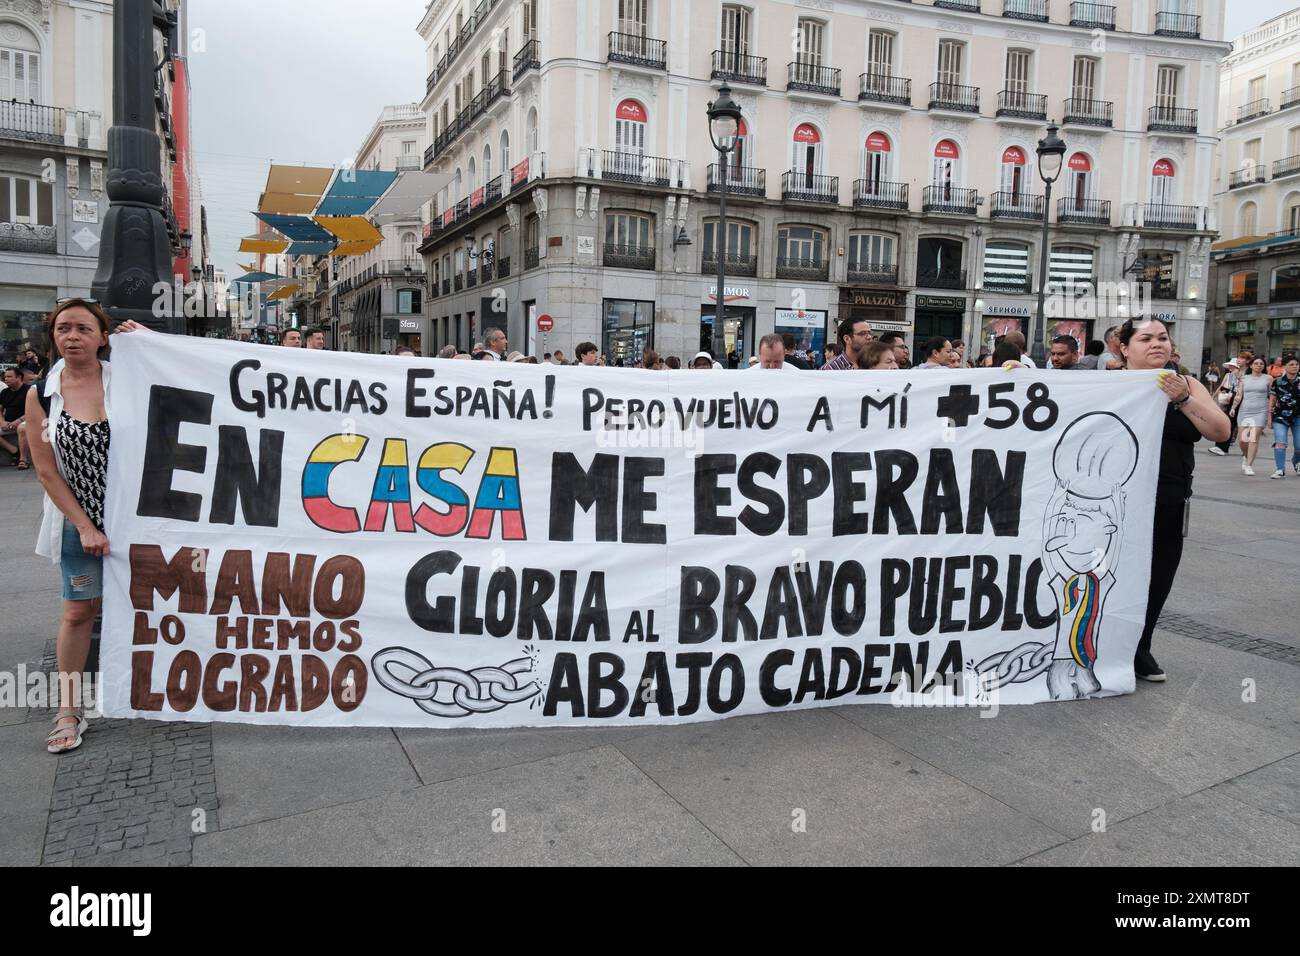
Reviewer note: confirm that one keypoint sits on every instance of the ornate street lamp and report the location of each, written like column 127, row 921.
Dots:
column 724, row 124
column 1051, row 153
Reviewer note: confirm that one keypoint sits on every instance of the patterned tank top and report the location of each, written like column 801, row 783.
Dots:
column 83, row 446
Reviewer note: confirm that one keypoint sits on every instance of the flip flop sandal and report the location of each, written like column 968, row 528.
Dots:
column 70, row 733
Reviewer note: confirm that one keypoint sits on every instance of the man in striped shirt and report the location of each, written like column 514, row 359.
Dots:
column 853, row 334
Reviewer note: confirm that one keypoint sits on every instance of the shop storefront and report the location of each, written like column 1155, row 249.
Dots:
column 885, row 309
column 22, row 320
column 999, row 318
column 1240, row 335
column 628, row 329
column 737, row 319
column 939, row 315
column 808, row 326
column 408, row 335
column 1283, row 336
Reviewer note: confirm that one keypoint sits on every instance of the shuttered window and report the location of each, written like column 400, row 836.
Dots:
column 1006, row 267
column 1070, row 266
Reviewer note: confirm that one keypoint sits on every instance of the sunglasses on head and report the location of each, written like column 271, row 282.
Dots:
column 75, row 298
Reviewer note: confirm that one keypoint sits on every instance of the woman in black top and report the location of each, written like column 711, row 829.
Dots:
column 1192, row 415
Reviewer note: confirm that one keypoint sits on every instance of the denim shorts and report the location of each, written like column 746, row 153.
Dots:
column 83, row 574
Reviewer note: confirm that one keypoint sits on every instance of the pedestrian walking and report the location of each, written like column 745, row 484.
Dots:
column 1226, row 396
column 1191, row 415
column 1250, row 409
column 1212, row 376
column 72, row 464
column 1284, row 415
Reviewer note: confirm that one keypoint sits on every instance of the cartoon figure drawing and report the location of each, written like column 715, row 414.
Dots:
column 1082, row 532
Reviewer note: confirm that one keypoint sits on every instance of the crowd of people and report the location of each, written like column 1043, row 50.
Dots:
column 1260, row 397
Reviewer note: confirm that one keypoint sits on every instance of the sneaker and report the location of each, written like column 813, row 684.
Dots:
column 1146, row 668
column 1278, row 474
column 1246, row 469
column 1295, row 465
column 1216, row 450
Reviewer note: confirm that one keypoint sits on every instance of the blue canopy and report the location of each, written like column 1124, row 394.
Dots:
column 252, row 277
column 311, row 248
column 354, row 191
column 296, row 228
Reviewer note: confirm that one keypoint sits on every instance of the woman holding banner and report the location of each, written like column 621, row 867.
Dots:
column 72, row 464
column 1192, row 415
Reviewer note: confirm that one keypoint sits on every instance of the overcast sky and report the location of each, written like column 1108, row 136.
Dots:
column 296, row 83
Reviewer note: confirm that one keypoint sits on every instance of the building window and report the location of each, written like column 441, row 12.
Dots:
column 1069, row 269
column 880, row 53
column 629, row 137
column 1164, row 183
column 1080, row 184
column 876, row 154
column 1167, row 79
column 505, row 150
column 740, row 239
column 1006, row 267
column 740, row 152
column 1158, row 270
column 531, row 131
column 20, row 70
column 938, row 263
column 1286, row 284
column 1256, row 89
column 1013, row 172
column 735, row 31
column 951, row 53
column 806, row 153
column 629, row 241
column 26, row 200
column 946, row 169
column 1084, row 84
column 408, row 301
column 628, row 330
column 1247, row 219
column 809, row 36
column 871, row 249
column 633, row 18
column 800, row 245
column 1243, row 288
column 409, row 243
column 1018, row 64
column 530, row 19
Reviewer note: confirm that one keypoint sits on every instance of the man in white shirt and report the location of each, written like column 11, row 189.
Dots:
column 496, row 344
column 1017, row 339
column 771, row 354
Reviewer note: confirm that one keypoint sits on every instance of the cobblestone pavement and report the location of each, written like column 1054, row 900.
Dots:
column 153, row 792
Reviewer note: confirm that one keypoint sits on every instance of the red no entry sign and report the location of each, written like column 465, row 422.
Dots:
column 545, row 323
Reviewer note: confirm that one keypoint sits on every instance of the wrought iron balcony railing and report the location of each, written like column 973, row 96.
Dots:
column 884, row 88
column 810, row 187
column 528, row 58
column 638, row 50
column 1246, row 176
column 635, row 168
column 940, row 278
column 969, row 6
column 620, row 255
column 811, row 78
column 1007, row 283
column 1287, row 166
column 1171, row 119
column 872, row 273
column 1023, row 105
column 1095, row 16
column 1089, row 112
column 735, row 265
column 1025, row 10
column 1162, row 216
column 1249, row 297
column 799, row 268
column 1093, row 212
column 878, row 194
column 532, row 258
column 503, row 267
column 24, row 237
column 1248, row 111
column 33, row 123
column 949, row 199
column 1021, row 205
column 739, row 68
column 741, row 181
column 953, row 96
column 1290, row 98
column 1185, row 25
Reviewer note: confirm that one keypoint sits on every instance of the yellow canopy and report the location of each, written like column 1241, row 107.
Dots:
column 255, row 244
column 355, row 247
column 349, row 228
column 294, row 190
column 283, row 293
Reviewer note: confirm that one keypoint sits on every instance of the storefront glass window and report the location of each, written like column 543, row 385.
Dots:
column 628, row 330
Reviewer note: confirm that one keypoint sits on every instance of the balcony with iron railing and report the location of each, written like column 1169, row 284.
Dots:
column 794, row 267
column 736, row 67
column 1171, row 119
column 879, row 194
column 1184, row 25
column 1094, row 16
column 966, row 6
column 884, row 88
column 940, row 278
column 28, row 237
column 949, row 200
column 532, row 258
column 812, row 78
column 1016, row 205
column 1015, row 104
column 471, row 276
column 1163, row 289
column 735, row 265
column 1083, row 112
column 638, row 50
column 636, row 168
column 458, row 282
column 954, row 96
column 626, row 255
column 53, row 125
column 429, row 154
column 1248, row 175
column 872, row 273
column 1246, row 297
column 407, row 161
column 446, row 287
column 1025, row 10
column 503, row 267
column 485, row 272
column 1083, row 212
column 1012, row 284
column 1287, row 166
column 1290, row 98
column 1285, row 293
column 402, row 267
column 1248, row 111
column 741, row 181
column 528, row 58
column 1163, row 216
column 809, row 187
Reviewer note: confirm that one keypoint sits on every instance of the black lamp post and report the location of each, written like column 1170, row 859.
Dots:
column 724, row 124
column 1051, row 153
column 134, row 251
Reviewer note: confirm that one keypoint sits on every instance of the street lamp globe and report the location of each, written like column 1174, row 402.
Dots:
column 1051, row 152
column 724, row 120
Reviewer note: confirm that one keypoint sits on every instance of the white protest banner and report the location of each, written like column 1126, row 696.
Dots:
column 314, row 538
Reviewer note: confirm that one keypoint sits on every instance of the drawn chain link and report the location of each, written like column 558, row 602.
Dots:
column 478, row 691
column 1017, row 665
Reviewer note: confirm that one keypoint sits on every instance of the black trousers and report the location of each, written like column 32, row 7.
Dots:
column 1226, row 446
column 1166, row 553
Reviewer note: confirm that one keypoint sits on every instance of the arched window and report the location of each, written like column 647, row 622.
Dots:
column 1070, row 268
column 1080, row 184
column 877, row 153
column 1006, row 267
column 629, row 133
column 1013, row 172
column 409, row 243
column 20, row 65
column 1164, row 185
column 807, row 152
column 1286, row 284
column 742, row 149
column 1247, row 219
column 457, row 187
column 505, row 150
column 1243, row 288
column 946, row 170
column 473, row 176
column 487, row 163
column 530, row 132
